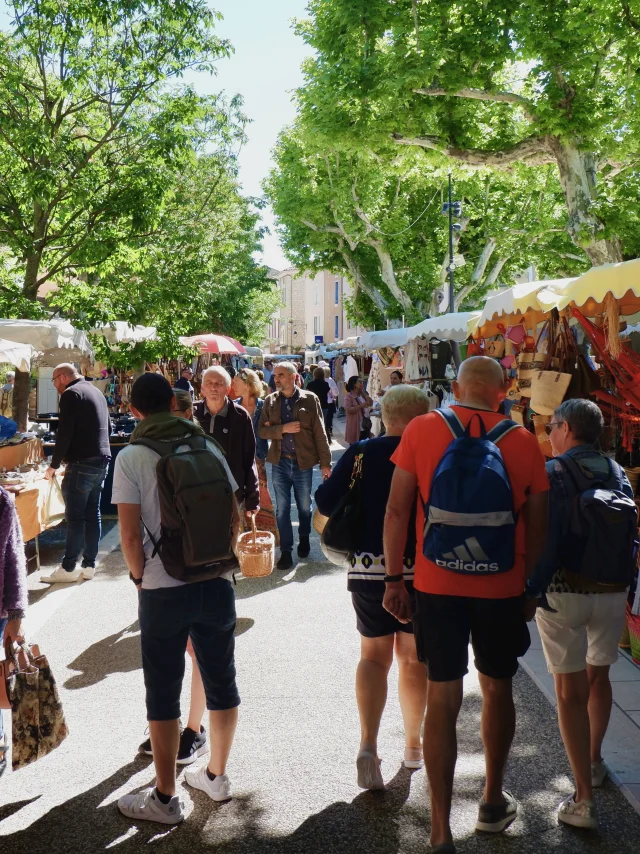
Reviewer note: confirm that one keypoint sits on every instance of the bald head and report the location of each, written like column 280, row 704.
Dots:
column 480, row 383
column 66, row 369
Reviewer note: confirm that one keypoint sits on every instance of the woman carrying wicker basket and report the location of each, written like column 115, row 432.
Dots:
column 247, row 386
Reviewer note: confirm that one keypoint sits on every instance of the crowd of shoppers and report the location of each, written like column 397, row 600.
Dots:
column 451, row 552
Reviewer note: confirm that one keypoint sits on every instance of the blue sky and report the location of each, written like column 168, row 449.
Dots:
column 265, row 69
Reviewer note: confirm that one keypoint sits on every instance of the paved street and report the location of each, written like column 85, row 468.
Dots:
column 293, row 764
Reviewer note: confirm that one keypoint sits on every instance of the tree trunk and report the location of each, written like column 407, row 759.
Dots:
column 389, row 277
column 578, row 178
column 21, row 391
column 359, row 281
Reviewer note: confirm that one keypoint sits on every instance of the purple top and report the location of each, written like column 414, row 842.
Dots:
column 13, row 564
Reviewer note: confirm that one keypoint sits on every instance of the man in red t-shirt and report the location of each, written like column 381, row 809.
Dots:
column 453, row 608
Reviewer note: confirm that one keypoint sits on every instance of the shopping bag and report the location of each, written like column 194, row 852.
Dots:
column 495, row 348
column 38, row 724
column 539, row 424
column 528, row 365
column 548, row 389
column 54, row 504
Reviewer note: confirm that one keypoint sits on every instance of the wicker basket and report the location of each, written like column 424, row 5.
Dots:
column 319, row 521
column 256, row 552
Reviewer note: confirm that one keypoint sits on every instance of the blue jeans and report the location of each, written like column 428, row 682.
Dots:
column 81, row 489
column 286, row 475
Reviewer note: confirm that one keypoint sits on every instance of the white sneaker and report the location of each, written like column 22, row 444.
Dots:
column 369, row 773
column 413, row 757
column 146, row 806
column 218, row 789
column 88, row 572
column 599, row 773
column 61, row 576
column 582, row 814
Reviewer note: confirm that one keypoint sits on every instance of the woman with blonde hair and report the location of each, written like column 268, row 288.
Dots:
column 248, row 387
column 382, row 635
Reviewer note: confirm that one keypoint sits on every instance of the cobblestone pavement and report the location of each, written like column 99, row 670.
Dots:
column 293, row 764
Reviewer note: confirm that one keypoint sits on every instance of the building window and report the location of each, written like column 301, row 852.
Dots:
column 316, row 325
column 283, row 294
column 336, row 326
column 316, row 296
column 337, row 297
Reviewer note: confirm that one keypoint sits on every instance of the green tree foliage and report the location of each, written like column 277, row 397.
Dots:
column 488, row 83
column 377, row 218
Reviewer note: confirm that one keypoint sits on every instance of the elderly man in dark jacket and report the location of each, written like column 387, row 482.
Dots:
column 231, row 426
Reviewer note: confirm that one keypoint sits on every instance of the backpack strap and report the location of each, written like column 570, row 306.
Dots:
column 583, row 481
column 453, row 422
column 502, row 429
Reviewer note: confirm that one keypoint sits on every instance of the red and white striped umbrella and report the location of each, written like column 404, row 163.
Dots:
column 210, row 343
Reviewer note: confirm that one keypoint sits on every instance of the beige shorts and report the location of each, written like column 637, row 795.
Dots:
column 584, row 630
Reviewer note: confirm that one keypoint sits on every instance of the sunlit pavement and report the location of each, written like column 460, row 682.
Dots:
column 293, row 763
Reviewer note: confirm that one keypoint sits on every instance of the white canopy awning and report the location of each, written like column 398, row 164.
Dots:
column 120, row 332
column 446, row 327
column 18, row 355
column 48, row 337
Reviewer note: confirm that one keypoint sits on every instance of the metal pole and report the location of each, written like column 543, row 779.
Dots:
column 452, row 306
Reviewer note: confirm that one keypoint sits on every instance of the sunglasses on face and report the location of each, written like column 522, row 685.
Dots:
column 549, row 427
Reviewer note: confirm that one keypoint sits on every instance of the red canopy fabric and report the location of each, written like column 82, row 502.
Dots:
column 210, row 343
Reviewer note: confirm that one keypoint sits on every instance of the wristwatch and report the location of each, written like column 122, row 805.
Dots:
column 136, row 581
column 392, row 578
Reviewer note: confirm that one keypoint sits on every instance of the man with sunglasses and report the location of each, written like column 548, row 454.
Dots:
column 184, row 382
column 82, row 442
column 580, row 620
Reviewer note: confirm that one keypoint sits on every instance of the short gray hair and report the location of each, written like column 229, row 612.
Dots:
column 10, row 375
column 220, row 371
column 583, row 417
column 288, row 366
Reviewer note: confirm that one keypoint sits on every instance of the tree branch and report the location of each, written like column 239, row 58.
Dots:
column 483, row 95
column 534, row 150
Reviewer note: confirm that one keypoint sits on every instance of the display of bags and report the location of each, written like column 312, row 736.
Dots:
column 548, row 390
column 495, row 348
column 38, row 724
column 539, row 423
column 528, row 365
column 475, row 346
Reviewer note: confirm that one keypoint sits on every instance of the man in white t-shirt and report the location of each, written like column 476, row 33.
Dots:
column 170, row 612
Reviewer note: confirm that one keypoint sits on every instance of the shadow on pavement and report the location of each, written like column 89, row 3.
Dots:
column 118, row 653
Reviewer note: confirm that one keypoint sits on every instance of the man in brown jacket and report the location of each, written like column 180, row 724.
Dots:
column 292, row 419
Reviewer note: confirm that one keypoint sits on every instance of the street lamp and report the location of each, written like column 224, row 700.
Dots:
column 452, row 209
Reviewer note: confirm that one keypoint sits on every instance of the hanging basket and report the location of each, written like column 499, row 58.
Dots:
column 256, row 552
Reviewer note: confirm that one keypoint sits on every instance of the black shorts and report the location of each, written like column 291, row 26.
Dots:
column 371, row 618
column 205, row 611
column 444, row 625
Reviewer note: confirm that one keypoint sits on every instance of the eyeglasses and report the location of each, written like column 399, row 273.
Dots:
column 549, row 427
column 57, row 377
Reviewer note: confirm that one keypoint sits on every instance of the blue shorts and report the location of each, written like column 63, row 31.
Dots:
column 206, row 611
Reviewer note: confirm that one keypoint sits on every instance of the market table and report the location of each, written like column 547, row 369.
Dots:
column 12, row 456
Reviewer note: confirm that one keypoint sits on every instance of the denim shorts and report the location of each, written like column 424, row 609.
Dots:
column 205, row 611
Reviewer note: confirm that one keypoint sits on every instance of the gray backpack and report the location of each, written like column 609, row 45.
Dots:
column 196, row 509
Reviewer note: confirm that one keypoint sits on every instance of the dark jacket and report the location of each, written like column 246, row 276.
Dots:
column 262, row 446
column 312, row 446
column 84, row 427
column 321, row 389
column 234, row 433
column 366, row 568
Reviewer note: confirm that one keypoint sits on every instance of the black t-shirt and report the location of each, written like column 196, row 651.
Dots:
column 321, row 389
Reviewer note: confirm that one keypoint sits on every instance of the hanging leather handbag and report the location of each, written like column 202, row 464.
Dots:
column 475, row 347
column 342, row 533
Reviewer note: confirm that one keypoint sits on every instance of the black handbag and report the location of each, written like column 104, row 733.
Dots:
column 341, row 535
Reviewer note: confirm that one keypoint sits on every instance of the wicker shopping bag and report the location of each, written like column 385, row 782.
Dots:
column 548, row 389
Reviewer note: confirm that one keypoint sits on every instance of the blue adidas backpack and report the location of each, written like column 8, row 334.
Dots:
column 470, row 519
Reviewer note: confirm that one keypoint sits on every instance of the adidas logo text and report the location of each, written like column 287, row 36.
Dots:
column 472, row 566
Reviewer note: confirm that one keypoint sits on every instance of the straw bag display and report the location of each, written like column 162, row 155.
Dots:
column 495, row 348
column 256, row 552
column 528, row 365
column 548, row 390
column 28, row 685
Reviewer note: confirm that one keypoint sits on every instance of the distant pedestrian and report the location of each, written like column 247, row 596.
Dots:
column 582, row 579
column 486, row 502
column 82, row 442
column 232, row 428
column 333, row 402
column 268, row 370
column 174, row 604
column 186, row 375
column 357, row 405
column 182, row 405
column 381, row 634
column 320, row 387
column 292, row 420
